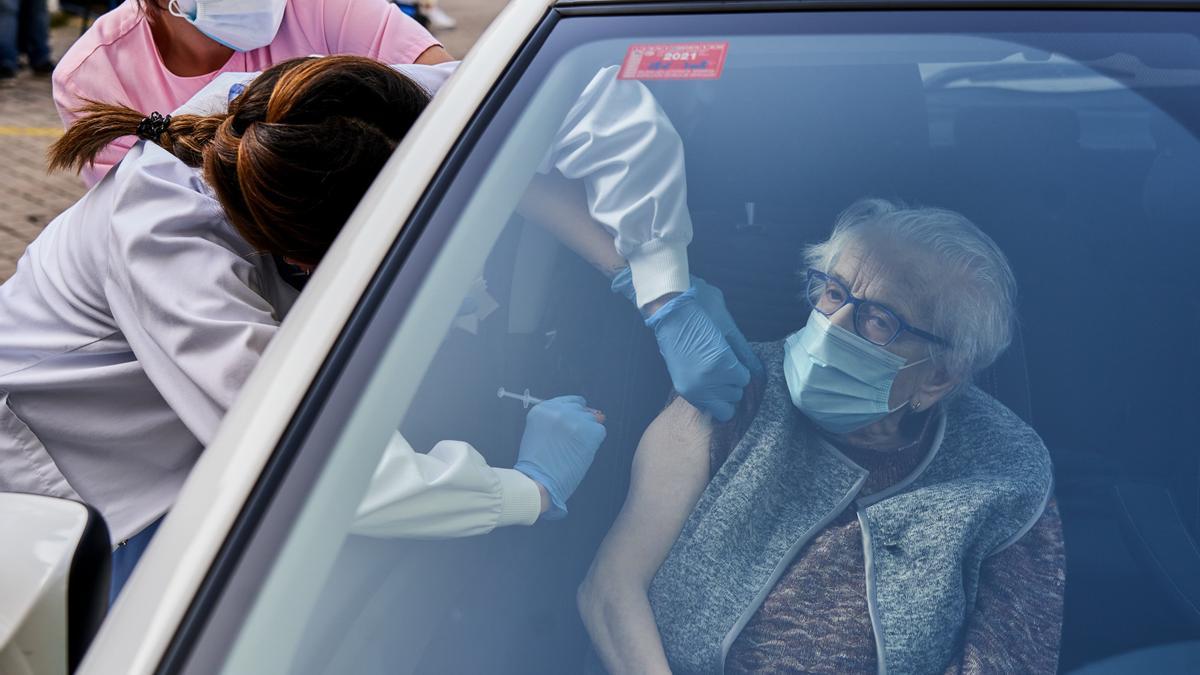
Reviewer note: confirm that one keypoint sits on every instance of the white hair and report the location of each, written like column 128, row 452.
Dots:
column 969, row 287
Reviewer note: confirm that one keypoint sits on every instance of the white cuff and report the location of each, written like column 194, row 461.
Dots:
column 520, row 499
column 658, row 269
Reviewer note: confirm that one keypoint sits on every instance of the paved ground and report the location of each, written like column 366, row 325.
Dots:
column 29, row 198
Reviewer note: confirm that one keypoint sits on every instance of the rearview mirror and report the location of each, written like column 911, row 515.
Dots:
column 54, row 577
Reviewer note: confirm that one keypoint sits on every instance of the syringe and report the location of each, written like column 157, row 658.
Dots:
column 528, row 401
column 525, row 399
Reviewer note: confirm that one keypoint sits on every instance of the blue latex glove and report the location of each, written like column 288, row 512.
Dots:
column 622, row 284
column 561, row 438
column 713, row 301
column 708, row 358
column 703, row 367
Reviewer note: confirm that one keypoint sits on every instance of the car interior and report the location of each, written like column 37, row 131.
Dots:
column 1089, row 192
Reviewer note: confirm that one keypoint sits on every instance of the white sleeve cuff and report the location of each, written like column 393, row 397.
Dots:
column 520, row 499
column 658, row 269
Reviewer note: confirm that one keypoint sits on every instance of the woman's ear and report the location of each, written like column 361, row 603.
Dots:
column 935, row 387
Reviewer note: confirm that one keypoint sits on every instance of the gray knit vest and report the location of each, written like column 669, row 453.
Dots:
column 985, row 483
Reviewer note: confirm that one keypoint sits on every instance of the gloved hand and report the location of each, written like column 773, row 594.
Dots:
column 703, row 367
column 622, row 284
column 561, row 438
column 713, row 301
column 708, row 358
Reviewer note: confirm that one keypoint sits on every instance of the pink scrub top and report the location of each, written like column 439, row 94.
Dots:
column 116, row 60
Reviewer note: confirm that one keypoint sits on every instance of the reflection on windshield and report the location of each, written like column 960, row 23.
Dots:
column 1056, row 73
column 961, row 266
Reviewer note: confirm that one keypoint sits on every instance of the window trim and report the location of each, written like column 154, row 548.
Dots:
column 569, row 8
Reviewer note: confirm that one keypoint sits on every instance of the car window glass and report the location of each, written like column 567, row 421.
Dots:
column 1074, row 152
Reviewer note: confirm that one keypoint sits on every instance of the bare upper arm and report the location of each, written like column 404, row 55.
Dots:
column 433, row 56
column 670, row 470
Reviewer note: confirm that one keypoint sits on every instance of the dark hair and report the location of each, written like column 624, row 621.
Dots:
column 293, row 155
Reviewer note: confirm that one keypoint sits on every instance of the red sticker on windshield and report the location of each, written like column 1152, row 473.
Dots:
column 675, row 61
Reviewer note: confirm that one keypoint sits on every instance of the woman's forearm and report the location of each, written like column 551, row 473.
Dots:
column 621, row 623
column 560, row 206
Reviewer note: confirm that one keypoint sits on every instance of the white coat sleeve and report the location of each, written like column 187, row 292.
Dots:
column 448, row 492
column 620, row 143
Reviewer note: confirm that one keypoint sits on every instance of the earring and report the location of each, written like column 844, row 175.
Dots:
column 916, row 405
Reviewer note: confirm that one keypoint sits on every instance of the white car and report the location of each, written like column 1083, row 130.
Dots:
column 1067, row 131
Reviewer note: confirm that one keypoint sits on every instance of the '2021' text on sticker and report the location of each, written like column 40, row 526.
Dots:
column 675, row 61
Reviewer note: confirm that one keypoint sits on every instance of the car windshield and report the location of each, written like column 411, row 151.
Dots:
column 1061, row 146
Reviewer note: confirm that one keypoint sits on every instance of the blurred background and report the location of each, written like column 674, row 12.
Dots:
column 30, row 198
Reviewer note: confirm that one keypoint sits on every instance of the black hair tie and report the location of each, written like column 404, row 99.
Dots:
column 153, row 126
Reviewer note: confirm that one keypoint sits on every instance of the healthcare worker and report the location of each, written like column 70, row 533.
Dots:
column 135, row 317
column 156, row 54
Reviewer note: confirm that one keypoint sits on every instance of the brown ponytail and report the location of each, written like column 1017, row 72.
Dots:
column 101, row 124
column 292, row 157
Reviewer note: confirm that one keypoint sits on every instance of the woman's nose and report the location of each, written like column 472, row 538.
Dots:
column 843, row 317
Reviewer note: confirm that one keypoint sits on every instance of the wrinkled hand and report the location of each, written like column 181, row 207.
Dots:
column 561, row 438
column 708, row 358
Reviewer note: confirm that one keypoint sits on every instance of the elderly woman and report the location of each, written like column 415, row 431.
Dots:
column 867, row 509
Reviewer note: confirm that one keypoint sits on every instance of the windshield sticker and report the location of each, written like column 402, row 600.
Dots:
column 675, row 61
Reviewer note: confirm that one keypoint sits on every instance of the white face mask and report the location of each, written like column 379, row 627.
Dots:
column 238, row 24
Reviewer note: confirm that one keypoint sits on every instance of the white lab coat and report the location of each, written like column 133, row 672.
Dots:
column 133, row 320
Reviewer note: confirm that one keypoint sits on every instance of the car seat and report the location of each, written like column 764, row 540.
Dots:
column 1093, row 231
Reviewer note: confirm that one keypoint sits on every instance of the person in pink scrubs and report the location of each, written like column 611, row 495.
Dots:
column 156, row 54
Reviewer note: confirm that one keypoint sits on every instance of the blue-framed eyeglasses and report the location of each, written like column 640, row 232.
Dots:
column 874, row 322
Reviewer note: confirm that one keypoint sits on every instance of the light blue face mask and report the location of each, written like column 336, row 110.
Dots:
column 242, row 25
column 838, row 379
